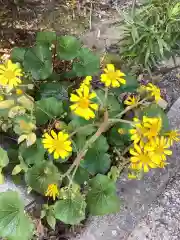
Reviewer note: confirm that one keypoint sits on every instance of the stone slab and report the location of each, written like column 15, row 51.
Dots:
column 163, row 218
column 136, row 196
column 22, row 190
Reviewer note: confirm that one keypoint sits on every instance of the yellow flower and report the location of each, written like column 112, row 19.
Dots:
column 173, row 136
column 10, row 74
column 83, row 106
column 132, row 100
column 159, row 149
column 57, row 143
column 137, row 132
column 111, row 77
column 19, row 91
column 154, row 91
column 153, row 126
column 141, row 159
column 52, row 191
column 163, row 164
column 86, row 82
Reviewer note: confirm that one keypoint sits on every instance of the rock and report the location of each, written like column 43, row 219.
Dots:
column 136, row 196
column 22, row 190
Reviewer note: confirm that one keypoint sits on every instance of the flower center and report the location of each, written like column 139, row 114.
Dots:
column 58, row 145
column 112, row 75
column 9, row 74
column 84, row 103
column 144, row 158
column 159, row 150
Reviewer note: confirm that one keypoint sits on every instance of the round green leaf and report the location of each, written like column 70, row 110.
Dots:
column 4, row 160
column 57, row 90
column 101, row 144
column 88, row 64
column 17, row 54
column 96, row 162
column 81, row 176
column 48, row 108
column 120, row 139
column 38, row 61
column 68, row 47
column 102, row 198
column 45, row 37
column 41, row 175
column 71, row 210
column 114, row 106
column 33, row 154
column 14, row 224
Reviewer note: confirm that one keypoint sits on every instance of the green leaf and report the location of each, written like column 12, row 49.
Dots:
column 38, row 61
column 102, row 198
column 14, row 224
column 17, row 54
column 130, row 86
column 33, row 154
column 81, row 176
column 68, row 47
column 78, row 142
column 88, row 64
column 51, row 221
column 4, row 160
column 78, row 122
column 71, row 210
column 114, row 106
column 96, row 162
column 41, row 175
column 57, row 90
column 120, row 139
column 154, row 110
column 101, row 144
column 46, row 109
column 46, row 37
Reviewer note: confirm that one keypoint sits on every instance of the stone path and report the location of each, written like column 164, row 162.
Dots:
column 163, row 219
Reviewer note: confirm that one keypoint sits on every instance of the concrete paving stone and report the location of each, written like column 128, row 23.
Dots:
column 163, row 218
column 136, row 196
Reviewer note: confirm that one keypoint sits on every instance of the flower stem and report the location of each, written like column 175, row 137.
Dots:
column 102, row 128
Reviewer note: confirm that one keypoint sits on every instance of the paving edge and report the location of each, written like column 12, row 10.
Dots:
column 136, row 196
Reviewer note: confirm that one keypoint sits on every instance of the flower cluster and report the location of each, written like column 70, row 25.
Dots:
column 151, row 148
column 83, row 99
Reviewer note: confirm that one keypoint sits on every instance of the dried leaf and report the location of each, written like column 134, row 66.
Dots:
column 17, row 169
column 6, row 104
column 22, row 138
column 27, row 102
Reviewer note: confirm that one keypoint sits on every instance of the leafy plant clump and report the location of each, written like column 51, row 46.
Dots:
column 73, row 138
column 151, row 34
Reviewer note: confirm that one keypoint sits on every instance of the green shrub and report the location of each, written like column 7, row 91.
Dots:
column 151, row 33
